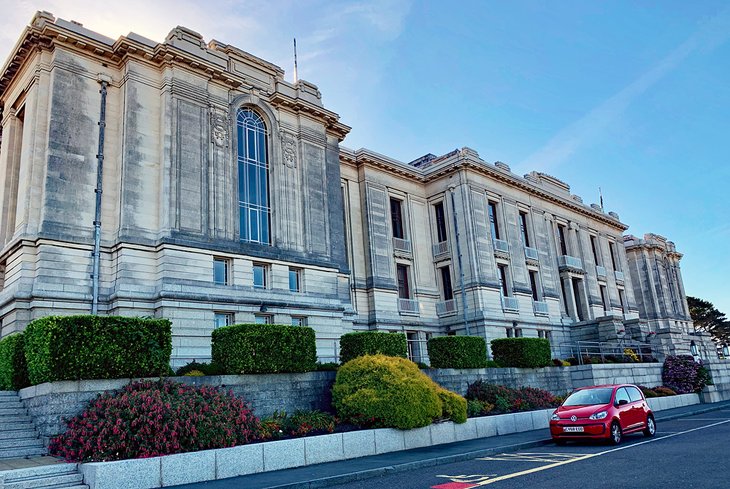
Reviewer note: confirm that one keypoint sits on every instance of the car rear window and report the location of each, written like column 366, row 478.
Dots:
column 589, row 397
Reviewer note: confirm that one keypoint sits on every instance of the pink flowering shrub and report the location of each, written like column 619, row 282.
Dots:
column 152, row 418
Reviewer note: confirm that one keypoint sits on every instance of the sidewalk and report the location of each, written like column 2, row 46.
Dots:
column 329, row 474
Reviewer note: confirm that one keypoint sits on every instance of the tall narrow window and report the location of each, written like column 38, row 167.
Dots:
column 622, row 300
column 396, row 217
column 260, row 275
column 594, row 249
column 534, row 286
column 446, row 287
column 561, row 238
column 503, row 280
column 295, row 279
column 253, row 178
column 494, row 226
column 602, row 288
column 523, row 229
column 221, row 271
column 404, row 289
column 577, row 284
column 614, row 260
column 440, row 221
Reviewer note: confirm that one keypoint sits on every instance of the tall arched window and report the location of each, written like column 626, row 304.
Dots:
column 253, row 180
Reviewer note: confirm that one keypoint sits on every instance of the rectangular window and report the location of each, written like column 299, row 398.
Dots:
column 221, row 271
column 298, row 320
column 614, row 258
column 577, row 284
column 622, row 300
column 446, row 288
column 493, row 225
column 263, row 319
column 295, row 279
column 561, row 238
column 503, row 280
column 440, row 221
column 404, row 289
column 510, row 332
column 260, row 275
column 534, row 286
column 543, row 333
column 518, row 332
column 396, row 217
column 222, row 319
column 594, row 249
column 523, row 229
column 602, row 288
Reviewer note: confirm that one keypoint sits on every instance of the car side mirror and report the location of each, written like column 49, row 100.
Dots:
column 621, row 402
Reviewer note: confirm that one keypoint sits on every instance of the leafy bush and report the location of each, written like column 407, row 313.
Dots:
column 492, row 364
column 97, row 347
column 457, row 352
column 503, row 399
column 572, row 361
column 648, row 392
column 327, row 366
column 194, row 373
column 631, row 356
column 662, row 391
column 683, row 375
column 476, row 408
column 13, row 369
column 560, row 363
column 423, row 365
column 203, row 367
column 353, row 345
column 301, row 423
column 521, row 352
column 148, row 419
column 381, row 391
column 264, row 348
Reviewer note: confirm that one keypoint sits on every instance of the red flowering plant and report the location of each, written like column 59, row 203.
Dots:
column 152, row 418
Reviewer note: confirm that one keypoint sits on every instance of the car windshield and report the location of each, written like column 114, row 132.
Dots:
column 589, row 397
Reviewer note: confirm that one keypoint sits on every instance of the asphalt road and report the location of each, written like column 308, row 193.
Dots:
column 689, row 452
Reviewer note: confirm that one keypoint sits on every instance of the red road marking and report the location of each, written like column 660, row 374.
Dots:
column 454, row 485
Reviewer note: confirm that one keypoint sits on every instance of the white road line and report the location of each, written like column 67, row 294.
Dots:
column 592, row 455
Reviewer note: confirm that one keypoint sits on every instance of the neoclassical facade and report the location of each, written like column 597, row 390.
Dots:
column 189, row 180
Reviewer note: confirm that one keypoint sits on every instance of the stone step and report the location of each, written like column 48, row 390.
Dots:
column 12, row 411
column 27, row 432
column 9, row 402
column 52, row 481
column 8, row 394
column 7, row 444
column 16, row 425
column 41, row 471
column 22, row 452
column 15, row 418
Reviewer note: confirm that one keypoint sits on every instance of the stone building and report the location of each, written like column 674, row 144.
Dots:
column 224, row 196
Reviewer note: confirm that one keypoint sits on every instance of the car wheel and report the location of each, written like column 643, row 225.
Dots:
column 616, row 433
column 650, row 429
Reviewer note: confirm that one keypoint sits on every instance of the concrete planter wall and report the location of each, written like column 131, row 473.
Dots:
column 277, row 455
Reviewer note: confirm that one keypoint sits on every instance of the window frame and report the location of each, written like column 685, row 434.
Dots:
column 253, row 159
column 226, row 262
column 297, row 272
column 265, row 274
column 229, row 318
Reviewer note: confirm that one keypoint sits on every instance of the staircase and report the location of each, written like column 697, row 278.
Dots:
column 19, row 439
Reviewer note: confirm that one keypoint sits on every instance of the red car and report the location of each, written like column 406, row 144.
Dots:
column 602, row 412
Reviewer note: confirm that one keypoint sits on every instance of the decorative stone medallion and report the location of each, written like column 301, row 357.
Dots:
column 289, row 149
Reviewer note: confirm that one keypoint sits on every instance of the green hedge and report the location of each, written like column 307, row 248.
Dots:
column 97, row 347
column 264, row 348
column 353, row 345
column 457, row 352
column 521, row 352
column 13, row 370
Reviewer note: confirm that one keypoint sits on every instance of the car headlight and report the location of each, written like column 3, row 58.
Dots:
column 555, row 417
column 600, row 415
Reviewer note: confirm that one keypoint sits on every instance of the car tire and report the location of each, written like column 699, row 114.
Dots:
column 616, row 434
column 650, row 429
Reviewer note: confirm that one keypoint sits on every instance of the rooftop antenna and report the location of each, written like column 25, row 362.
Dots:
column 600, row 194
column 296, row 76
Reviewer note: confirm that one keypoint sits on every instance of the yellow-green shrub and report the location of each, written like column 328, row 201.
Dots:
column 391, row 392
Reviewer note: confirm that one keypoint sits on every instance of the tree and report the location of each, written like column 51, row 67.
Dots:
column 707, row 318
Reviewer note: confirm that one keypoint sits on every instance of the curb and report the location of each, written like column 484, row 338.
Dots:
column 460, row 457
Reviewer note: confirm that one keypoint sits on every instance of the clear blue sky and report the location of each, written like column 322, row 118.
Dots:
column 630, row 96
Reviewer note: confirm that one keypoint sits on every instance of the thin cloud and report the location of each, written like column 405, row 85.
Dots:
column 592, row 126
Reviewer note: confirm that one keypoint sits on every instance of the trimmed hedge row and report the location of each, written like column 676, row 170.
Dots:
column 13, row 370
column 521, row 352
column 264, row 348
column 96, row 347
column 457, row 352
column 353, row 345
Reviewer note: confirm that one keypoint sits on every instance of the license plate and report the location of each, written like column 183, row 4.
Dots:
column 573, row 429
